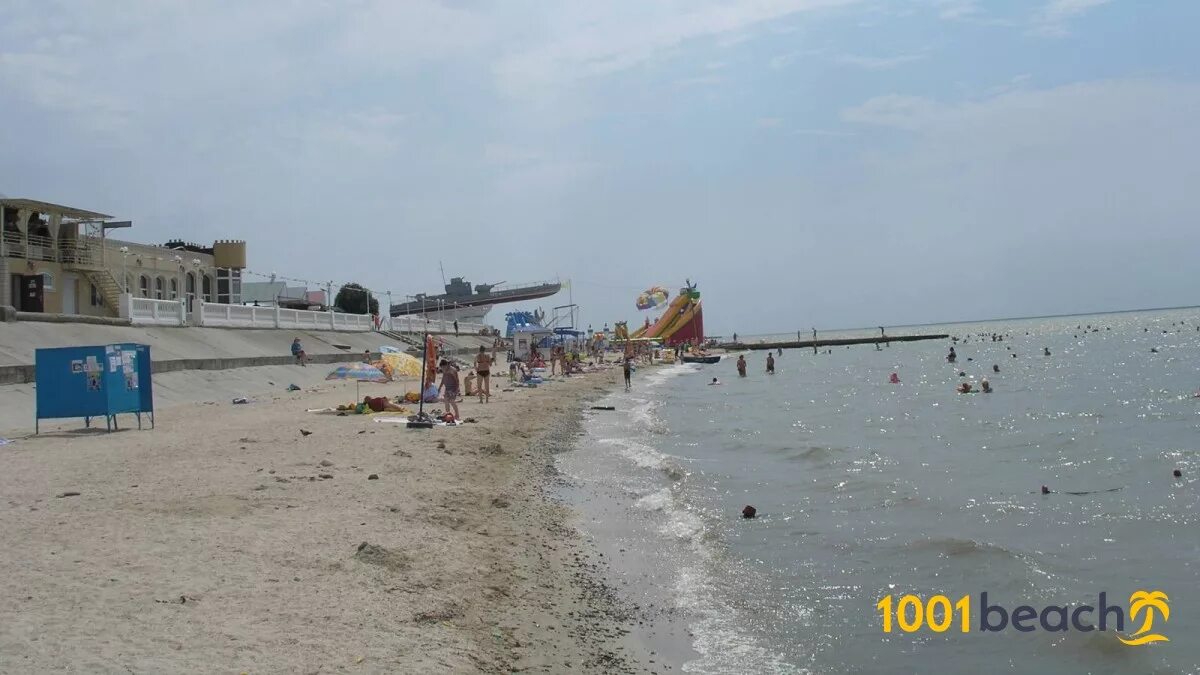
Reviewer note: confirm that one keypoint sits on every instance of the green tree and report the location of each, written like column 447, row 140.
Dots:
column 352, row 299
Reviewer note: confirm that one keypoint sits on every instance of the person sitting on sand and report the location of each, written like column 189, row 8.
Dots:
column 381, row 404
column 298, row 352
column 469, row 384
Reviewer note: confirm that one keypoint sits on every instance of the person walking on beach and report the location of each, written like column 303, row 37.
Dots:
column 628, row 368
column 741, row 365
column 450, row 387
column 483, row 367
column 298, row 352
column 770, row 364
column 456, row 328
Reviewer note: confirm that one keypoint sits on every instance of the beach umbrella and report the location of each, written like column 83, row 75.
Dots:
column 359, row 372
column 652, row 297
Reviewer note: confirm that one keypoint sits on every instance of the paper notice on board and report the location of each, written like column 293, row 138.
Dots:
column 114, row 363
column 77, row 366
column 127, row 362
column 92, row 365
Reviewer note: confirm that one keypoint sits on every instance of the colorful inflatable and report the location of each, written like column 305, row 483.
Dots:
column 652, row 297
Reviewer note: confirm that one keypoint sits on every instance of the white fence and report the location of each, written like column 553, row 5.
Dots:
column 148, row 311
column 242, row 316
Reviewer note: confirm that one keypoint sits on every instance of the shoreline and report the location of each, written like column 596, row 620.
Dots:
column 227, row 540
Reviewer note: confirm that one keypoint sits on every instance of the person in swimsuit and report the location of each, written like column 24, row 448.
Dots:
column 741, row 365
column 628, row 370
column 770, row 364
column 381, row 404
column 450, row 387
column 483, row 367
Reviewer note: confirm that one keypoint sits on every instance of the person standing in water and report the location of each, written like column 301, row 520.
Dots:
column 951, row 357
column 770, row 363
column 741, row 365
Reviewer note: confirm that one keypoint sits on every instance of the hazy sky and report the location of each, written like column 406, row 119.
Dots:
column 807, row 162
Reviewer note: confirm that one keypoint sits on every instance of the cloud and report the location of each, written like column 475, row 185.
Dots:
column 1052, row 19
column 952, row 10
column 768, row 122
column 878, row 62
column 598, row 39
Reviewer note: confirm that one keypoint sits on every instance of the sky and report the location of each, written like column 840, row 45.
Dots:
column 828, row 163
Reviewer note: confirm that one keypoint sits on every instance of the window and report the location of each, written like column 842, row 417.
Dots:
column 47, row 281
column 158, row 288
column 207, row 281
column 144, row 286
column 174, row 289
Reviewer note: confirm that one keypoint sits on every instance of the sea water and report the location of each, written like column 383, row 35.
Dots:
column 866, row 488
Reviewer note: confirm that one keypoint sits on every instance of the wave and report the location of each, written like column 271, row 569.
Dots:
column 647, row 457
column 950, row 547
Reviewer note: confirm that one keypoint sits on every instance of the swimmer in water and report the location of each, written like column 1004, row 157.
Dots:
column 995, row 367
column 964, row 388
column 952, row 356
column 985, row 386
column 715, row 381
column 1045, row 351
column 894, row 378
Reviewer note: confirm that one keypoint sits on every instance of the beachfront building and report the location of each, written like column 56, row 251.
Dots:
column 60, row 259
column 279, row 294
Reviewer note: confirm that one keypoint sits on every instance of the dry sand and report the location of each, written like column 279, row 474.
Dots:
column 225, row 540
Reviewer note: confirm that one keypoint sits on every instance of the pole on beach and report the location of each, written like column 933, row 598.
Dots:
column 422, row 422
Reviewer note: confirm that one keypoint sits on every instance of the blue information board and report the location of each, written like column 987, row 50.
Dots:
column 92, row 381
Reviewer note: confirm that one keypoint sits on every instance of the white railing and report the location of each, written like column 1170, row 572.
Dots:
column 415, row 323
column 243, row 316
column 148, row 311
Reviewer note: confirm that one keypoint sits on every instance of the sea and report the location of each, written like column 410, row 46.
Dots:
column 866, row 489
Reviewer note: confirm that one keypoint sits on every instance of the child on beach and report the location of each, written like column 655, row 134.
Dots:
column 450, row 387
column 298, row 352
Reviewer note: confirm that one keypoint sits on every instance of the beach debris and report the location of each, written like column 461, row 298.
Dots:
column 324, row 476
column 305, row 432
column 441, row 445
column 181, row 600
column 241, row 400
column 373, row 554
column 749, row 511
column 492, row 449
column 470, row 420
column 4, row 441
column 450, row 611
column 326, row 462
column 604, row 407
column 373, row 476
column 292, row 387
column 70, row 493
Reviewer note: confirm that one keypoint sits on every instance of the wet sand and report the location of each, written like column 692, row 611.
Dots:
column 226, row 540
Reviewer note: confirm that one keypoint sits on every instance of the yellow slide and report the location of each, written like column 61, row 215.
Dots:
column 678, row 313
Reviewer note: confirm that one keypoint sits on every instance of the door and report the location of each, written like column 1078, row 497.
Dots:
column 69, row 296
column 32, row 292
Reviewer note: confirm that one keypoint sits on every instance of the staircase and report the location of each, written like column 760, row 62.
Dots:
column 104, row 282
column 410, row 340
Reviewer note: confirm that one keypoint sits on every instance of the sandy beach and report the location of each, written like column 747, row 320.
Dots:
column 226, row 540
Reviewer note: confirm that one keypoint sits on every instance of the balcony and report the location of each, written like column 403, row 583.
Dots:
column 73, row 252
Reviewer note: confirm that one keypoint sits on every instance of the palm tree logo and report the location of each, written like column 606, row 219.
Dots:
column 1147, row 602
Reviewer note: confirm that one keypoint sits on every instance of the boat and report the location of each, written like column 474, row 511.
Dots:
column 703, row 358
column 462, row 302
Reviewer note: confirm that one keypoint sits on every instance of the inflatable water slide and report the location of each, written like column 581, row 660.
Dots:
column 681, row 323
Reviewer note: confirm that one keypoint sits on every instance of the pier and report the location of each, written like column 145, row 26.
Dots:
column 832, row 342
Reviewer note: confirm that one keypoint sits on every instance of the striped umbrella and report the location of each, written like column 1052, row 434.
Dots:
column 359, row 372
